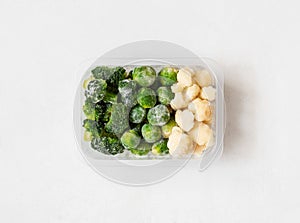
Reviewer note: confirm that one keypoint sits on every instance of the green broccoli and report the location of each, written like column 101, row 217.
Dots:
column 89, row 109
column 142, row 149
column 146, row 97
column 92, row 127
column 137, row 114
column 144, row 75
column 96, row 90
column 159, row 115
column 107, row 144
column 160, row 147
column 168, row 76
column 127, row 90
column 165, row 95
column 112, row 76
column 130, row 139
column 151, row 133
column 118, row 121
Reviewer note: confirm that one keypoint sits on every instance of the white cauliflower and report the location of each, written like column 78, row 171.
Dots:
column 179, row 143
column 191, row 92
column 178, row 101
column 176, row 88
column 208, row 93
column 203, row 78
column 185, row 119
column 199, row 150
column 184, row 77
column 201, row 133
column 201, row 109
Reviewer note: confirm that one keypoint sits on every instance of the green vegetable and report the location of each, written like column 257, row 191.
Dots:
column 137, row 114
column 159, row 115
column 146, row 97
column 92, row 127
column 107, row 144
column 96, row 90
column 137, row 128
column 143, row 149
column 151, row 133
column 87, row 81
column 160, row 147
column 89, row 109
column 112, row 76
column 165, row 95
column 87, row 136
column 144, row 75
column 110, row 97
column 167, row 128
column 130, row 140
column 118, row 121
column 168, row 76
column 127, row 90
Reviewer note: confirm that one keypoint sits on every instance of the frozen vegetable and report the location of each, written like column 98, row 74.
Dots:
column 184, row 77
column 185, row 119
column 167, row 128
column 151, row 133
column 160, row 147
column 201, row 109
column 179, row 143
column 201, row 133
column 203, row 78
column 137, row 114
column 96, row 90
column 118, row 121
column 159, row 115
column 92, row 127
column 168, row 76
column 130, row 139
column 165, row 95
column 191, row 92
column 87, row 81
column 142, row 149
column 179, row 101
column 146, row 97
column 107, row 144
column 144, row 75
column 127, row 89
column 208, row 93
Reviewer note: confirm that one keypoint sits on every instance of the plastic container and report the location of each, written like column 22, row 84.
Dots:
column 132, row 170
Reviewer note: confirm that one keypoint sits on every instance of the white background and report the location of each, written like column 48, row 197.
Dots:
column 44, row 47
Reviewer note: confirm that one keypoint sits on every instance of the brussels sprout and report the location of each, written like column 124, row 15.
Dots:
column 165, row 95
column 159, row 115
column 146, row 97
column 160, row 147
column 96, row 90
column 127, row 89
column 151, row 133
column 137, row 114
column 168, row 76
column 143, row 149
column 167, row 128
column 144, row 75
column 130, row 140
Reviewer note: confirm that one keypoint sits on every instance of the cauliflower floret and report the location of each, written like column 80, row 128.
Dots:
column 178, row 101
column 176, row 88
column 185, row 119
column 201, row 133
column 191, row 92
column 203, row 78
column 208, row 93
column 184, row 77
column 201, row 109
column 179, row 143
column 199, row 150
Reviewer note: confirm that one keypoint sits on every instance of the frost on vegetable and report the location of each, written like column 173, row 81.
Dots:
column 96, row 90
column 118, row 121
column 146, row 97
column 144, row 75
column 92, row 127
column 107, row 144
column 168, row 76
column 142, row 149
column 137, row 114
column 165, row 95
column 151, row 133
column 159, row 115
column 160, row 147
column 130, row 140
column 167, row 128
column 128, row 89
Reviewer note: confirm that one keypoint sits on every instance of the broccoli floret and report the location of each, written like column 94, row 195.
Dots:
column 144, row 75
column 92, row 127
column 137, row 114
column 159, row 115
column 118, row 121
column 160, row 147
column 151, row 133
column 130, row 140
column 110, row 97
column 96, row 90
column 146, row 97
column 165, row 95
column 168, row 76
column 142, row 149
column 89, row 109
column 127, row 90
column 112, row 76
column 107, row 144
